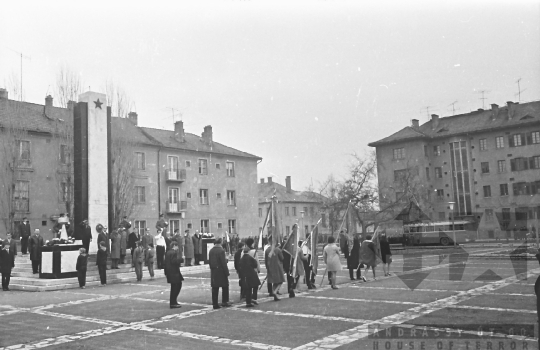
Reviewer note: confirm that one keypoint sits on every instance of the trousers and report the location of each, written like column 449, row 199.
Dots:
column 224, row 295
column 175, row 290
column 251, row 293
column 35, row 266
column 5, row 280
column 103, row 273
column 160, row 252
column 138, row 270
column 81, row 275
column 24, row 245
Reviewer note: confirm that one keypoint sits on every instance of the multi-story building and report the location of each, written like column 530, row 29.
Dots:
column 304, row 208
column 195, row 182
column 487, row 162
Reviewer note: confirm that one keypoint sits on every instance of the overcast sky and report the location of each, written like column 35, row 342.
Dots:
column 302, row 85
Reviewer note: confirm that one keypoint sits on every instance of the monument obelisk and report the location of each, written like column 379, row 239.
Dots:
column 92, row 162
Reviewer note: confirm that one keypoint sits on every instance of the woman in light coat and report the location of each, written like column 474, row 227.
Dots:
column 331, row 259
column 188, row 249
column 115, row 248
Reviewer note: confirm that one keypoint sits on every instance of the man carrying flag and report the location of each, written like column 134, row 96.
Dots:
column 309, row 248
column 289, row 252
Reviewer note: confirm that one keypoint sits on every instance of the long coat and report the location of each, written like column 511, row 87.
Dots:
column 180, row 240
column 197, row 244
column 219, row 272
column 12, row 247
column 248, row 271
column 24, row 230
column 7, row 261
column 188, row 248
column 331, row 257
column 123, row 242
column 367, row 253
column 354, row 258
column 133, row 239
column 274, row 265
column 172, row 267
column 299, row 264
column 115, row 245
column 35, row 243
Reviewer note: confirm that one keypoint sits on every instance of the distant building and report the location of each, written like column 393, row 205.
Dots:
column 291, row 205
column 196, row 182
column 486, row 161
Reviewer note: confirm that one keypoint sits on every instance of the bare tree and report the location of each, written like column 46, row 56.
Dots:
column 68, row 86
column 13, row 85
column 14, row 156
column 63, row 137
column 117, row 98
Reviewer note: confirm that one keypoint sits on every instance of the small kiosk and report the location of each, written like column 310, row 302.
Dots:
column 59, row 261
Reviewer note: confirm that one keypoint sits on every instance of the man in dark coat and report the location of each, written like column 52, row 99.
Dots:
column 237, row 257
column 12, row 245
column 180, row 241
column 35, row 244
column 85, row 234
column 219, row 275
column 174, row 276
column 197, row 246
column 103, row 236
column 288, row 263
column 24, row 234
column 7, row 262
column 353, row 259
column 134, row 237
column 249, row 270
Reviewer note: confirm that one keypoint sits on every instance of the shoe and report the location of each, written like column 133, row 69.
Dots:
column 276, row 298
column 227, row 304
column 270, row 295
column 217, row 307
column 334, row 287
column 250, row 305
column 254, row 302
column 353, row 279
column 177, row 306
column 291, row 295
column 364, row 279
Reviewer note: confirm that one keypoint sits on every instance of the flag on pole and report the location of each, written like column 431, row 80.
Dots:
column 376, row 239
column 314, row 239
column 268, row 214
column 290, row 245
column 295, row 256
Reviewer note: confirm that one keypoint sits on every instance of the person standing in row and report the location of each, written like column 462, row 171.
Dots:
column 103, row 236
column 123, row 244
column 7, row 263
column 250, row 269
column 197, row 247
column 134, row 237
column 160, row 244
column 35, row 244
column 188, row 248
column 115, row 248
column 180, row 242
column 219, row 275
column 310, row 279
column 10, row 242
column 354, row 259
column 82, row 262
column 268, row 283
column 101, row 262
column 386, row 255
column 146, row 238
column 331, row 259
column 149, row 259
column 24, row 234
column 237, row 257
column 368, row 256
column 138, row 259
column 273, row 261
column 174, row 276
column 86, row 235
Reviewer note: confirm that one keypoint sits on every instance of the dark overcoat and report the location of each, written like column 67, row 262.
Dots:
column 101, row 259
column 6, row 261
column 82, row 262
column 197, row 244
column 274, row 265
column 24, row 230
column 172, row 267
column 133, row 239
column 35, row 243
column 115, row 244
column 219, row 271
column 248, row 271
column 354, row 258
column 103, row 237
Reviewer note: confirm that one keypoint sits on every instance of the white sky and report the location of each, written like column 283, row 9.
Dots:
column 300, row 84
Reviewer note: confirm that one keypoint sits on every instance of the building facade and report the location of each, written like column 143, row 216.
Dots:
column 487, row 162
column 197, row 183
column 294, row 207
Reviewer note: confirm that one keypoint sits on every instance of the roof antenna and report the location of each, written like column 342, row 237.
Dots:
column 483, row 98
column 453, row 107
column 519, row 90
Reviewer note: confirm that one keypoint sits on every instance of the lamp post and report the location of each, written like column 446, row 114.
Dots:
column 451, row 205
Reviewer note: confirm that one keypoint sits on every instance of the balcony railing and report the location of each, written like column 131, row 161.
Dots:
column 21, row 205
column 176, row 207
column 178, row 175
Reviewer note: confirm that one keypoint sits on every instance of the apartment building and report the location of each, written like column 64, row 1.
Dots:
column 486, row 161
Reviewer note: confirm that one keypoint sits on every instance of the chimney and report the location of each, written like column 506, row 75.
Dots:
column 494, row 111
column 269, row 179
column 48, row 101
column 179, row 131
column 207, row 134
column 133, row 116
column 434, row 121
column 288, row 184
column 511, row 109
column 3, row 93
column 71, row 105
column 415, row 124
column 262, row 180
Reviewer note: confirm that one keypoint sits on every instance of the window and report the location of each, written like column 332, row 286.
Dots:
column 286, row 211
column 21, row 196
column 438, row 173
column 203, row 167
column 293, row 211
column 499, row 142
column 521, row 188
column 437, row 150
column 483, row 144
column 232, row 226
column 501, row 166
column 535, row 137
column 311, row 211
column 173, row 199
column 400, row 175
column 427, row 173
column 534, row 162
column 487, row 191
column 172, row 162
column 188, row 163
column 231, row 198
column 140, row 194
column 66, row 191
column 519, row 164
column 440, row 194
column 24, row 153
column 504, row 189
column 489, row 215
column 306, row 229
column 218, row 166
column 485, row 167
column 218, row 195
column 305, row 211
column 220, row 225
column 203, row 197
column 139, row 158
column 65, row 155
column 188, row 195
column 230, row 169
column 323, row 220
column 506, row 214
column 515, row 140
column 426, row 151
column 399, row 153
column 260, row 212
column 189, row 225
column 287, row 230
column 204, row 226
column 140, row 226
column 174, row 225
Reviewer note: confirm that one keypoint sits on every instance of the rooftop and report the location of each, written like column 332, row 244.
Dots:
column 266, row 191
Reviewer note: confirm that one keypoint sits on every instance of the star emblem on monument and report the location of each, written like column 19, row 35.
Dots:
column 98, row 104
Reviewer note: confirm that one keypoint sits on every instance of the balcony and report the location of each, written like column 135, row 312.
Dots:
column 176, row 207
column 178, row 175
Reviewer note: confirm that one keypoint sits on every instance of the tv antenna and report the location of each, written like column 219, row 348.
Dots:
column 519, row 90
column 427, row 111
column 175, row 112
column 453, row 104
column 22, row 56
column 483, row 98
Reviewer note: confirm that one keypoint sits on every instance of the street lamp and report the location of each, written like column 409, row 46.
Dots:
column 451, row 205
